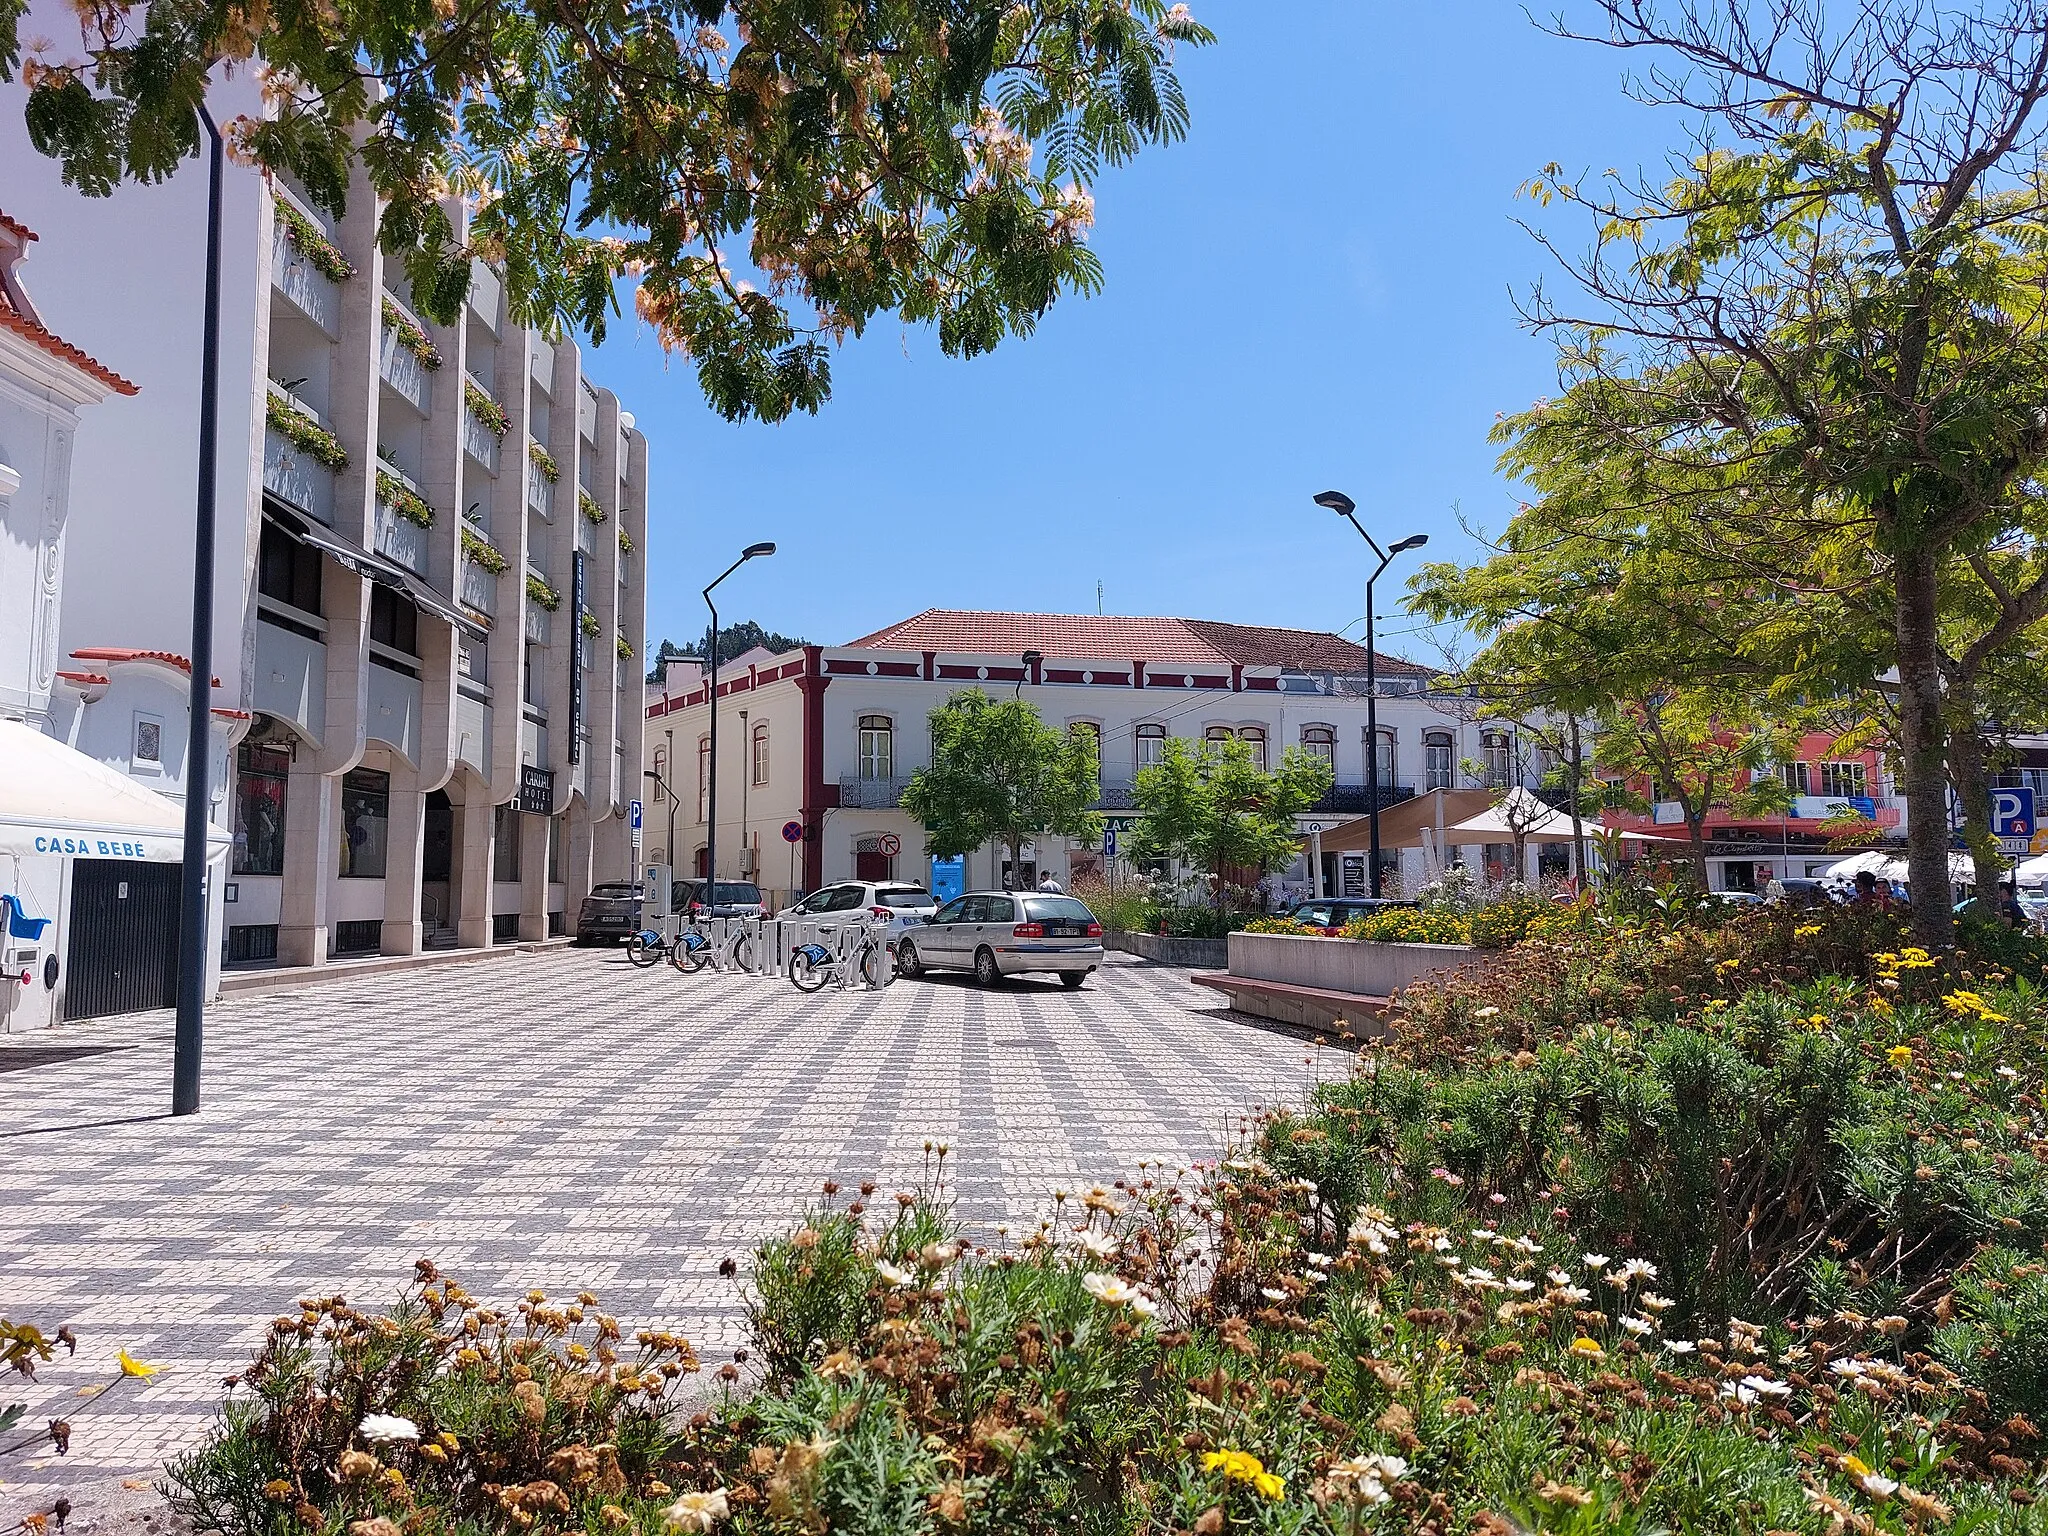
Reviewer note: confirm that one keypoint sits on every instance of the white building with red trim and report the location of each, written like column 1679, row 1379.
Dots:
column 818, row 745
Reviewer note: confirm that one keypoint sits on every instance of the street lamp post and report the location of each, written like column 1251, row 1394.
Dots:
column 1346, row 508
column 1031, row 659
column 711, row 767
column 189, row 1035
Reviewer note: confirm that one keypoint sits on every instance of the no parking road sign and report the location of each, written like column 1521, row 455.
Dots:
column 792, row 831
column 2012, row 819
column 891, row 845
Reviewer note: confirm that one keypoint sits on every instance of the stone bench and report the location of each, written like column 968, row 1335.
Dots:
column 1317, row 1008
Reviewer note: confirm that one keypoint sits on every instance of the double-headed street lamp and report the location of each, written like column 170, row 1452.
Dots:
column 752, row 551
column 1346, row 508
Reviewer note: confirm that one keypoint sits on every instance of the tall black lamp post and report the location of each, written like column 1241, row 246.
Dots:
column 1346, row 508
column 752, row 551
column 1032, row 660
column 191, row 1025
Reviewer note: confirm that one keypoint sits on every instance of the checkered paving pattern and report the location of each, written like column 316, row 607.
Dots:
column 559, row 1120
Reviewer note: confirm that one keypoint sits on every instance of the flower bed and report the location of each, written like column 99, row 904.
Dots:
column 322, row 252
column 410, row 336
column 481, row 552
column 485, row 409
column 587, row 505
column 403, row 499
column 544, row 462
column 541, row 594
column 1719, row 1231
column 304, row 433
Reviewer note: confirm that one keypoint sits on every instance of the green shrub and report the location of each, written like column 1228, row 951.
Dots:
column 1508, row 921
column 1285, row 925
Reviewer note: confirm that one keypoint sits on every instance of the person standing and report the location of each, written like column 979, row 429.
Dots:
column 1047, row 886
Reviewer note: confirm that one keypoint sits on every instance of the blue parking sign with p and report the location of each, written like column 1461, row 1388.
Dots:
column 2012, row 813
column 636, row 815
column 1109, row 842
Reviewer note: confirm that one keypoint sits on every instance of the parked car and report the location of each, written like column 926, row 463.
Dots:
column 903, row 904
column 733, row 898
column 1808, row 890
column 1332, row 914
column 610, row 912
column 1005, row 933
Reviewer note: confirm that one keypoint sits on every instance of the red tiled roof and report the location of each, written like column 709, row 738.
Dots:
column 38, row 334
column 234, row 714
column 119, row 653
column 1089, row 637
column 86, row 679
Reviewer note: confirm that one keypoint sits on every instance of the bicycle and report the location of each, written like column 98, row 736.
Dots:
column 812, row 966
column 735, row 952
column 646, row 947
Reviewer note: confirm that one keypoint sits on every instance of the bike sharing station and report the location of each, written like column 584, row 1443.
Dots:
column 811, row 953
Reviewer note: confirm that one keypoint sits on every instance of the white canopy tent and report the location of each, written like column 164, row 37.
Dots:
column 55, row 802
column 1540, row 823
column 1962, row 869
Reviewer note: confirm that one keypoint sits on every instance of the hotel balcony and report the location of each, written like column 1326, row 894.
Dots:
column 859, row 794
column 294, row 476
column 394, row 717
column 401, row 368
column 472, row 730
column 477, row 588
column 304, row 286
column 398, row 537
column 537, row 625
column 540, row 491
column 478, row 440
column 291, row 677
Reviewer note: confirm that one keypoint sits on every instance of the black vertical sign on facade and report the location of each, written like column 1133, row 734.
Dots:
column 576, row 603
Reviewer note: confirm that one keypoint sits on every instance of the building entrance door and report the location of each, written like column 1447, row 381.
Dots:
column 123, row 938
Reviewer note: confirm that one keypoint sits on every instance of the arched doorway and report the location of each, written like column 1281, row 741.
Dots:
column 869, row 861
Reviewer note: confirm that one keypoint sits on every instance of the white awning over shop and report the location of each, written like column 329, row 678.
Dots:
column 55, row 802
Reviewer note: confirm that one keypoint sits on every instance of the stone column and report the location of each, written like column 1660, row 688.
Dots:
column 312, row 822
column 404, row 859
column 579, row 846
column 474, row 825
column 533, row 876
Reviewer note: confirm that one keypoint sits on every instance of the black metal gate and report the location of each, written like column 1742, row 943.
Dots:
column 123, row 939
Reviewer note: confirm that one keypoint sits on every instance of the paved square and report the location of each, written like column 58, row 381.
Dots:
column 558, row 1120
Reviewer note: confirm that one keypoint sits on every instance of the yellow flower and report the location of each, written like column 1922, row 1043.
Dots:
column 1882, row 1007
column 1243, row 1467
column 1588, row 1348
column 1818, row 1020
column 1806, row 930
column 1900, row 1056
column 130, row 1366
column 1715, row 1004
column 1856, row 1466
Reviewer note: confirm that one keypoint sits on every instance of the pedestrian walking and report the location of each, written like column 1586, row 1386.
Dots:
column 1047, row 886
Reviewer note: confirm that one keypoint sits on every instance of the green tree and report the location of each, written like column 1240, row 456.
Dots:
column 776, row 173
column 1831, row 302
column 1212, row 806
column 1698, row 753
column 1000, row 774
column 737, row 640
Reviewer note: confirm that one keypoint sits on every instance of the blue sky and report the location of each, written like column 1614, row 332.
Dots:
column 1314, row 290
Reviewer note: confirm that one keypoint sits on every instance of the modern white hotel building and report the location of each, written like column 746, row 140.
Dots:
column 430, row 594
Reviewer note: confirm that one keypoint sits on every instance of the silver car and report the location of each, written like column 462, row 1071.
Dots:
column 1005, row 933
column 901, row 903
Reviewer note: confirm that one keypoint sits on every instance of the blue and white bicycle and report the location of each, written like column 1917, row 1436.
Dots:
column 858, row 952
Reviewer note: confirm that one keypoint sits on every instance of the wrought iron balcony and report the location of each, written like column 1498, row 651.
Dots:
column 859, row 794
column 1347, row 799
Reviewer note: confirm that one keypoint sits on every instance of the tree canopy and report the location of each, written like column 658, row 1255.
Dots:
column 1000, row 774
column 1213, row 806
column 775, row 173
column 736, row 640
column 1806, row 363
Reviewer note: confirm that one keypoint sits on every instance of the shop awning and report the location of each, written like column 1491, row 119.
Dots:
column 370, row 565
column 55, row 802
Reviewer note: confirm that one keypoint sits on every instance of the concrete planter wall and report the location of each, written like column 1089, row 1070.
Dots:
column 1327, row 984
column 1347, row 965
column 1194, row 953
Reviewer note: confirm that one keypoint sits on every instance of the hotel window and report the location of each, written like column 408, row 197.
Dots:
column 1797, row 777
column 1151, row 744
column 760, row 755
column 1320, row 741
column 1384, row 760
column 1842, row 781
column 1439, row 760
column 1255, row 738
column 1217, row 735
column 260, row 779
column 365, row 823
column 505, row 846
column 877, row 747
column 703, row 777
column 1499, row 751
column 287, row 571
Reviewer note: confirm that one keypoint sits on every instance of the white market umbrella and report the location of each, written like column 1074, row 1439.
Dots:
column 55, row 802
column 2032, row 871
column 1873, row 862
column 1539, row 823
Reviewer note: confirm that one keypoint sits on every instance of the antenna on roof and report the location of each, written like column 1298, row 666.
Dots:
column 1098, row 599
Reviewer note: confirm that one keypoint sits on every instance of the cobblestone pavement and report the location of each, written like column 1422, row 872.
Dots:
column 561, row 1120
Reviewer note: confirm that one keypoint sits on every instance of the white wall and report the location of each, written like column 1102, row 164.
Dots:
column 121, row 277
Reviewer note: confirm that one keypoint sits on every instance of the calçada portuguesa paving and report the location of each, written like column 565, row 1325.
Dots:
column 560, row 1120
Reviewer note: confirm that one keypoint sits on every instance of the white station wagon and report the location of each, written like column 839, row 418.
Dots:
column 1005, row 933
